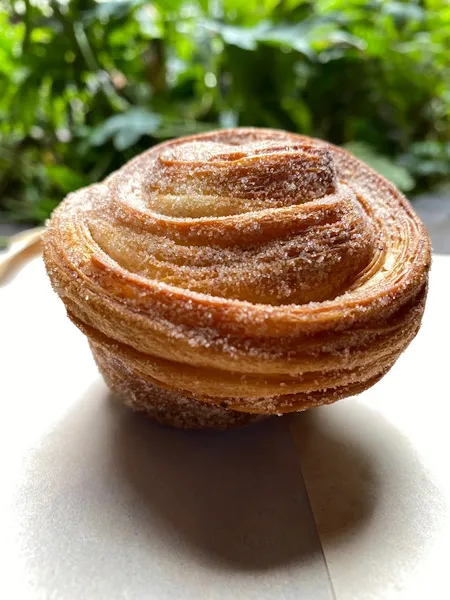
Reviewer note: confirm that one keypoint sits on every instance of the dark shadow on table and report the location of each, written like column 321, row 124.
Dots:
column 233, row 498
column 236, row 496
column 375, row 505
column 107, row 480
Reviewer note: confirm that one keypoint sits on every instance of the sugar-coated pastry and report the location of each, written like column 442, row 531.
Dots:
column 240, row 273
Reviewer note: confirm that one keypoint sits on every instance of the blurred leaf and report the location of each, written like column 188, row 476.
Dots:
column 65, row 178
column 150, row 22
column 300, row 37
column 428, row 158
column 172, row 128
column 127, row 128
column 112, row 9
column 242, row 37
column 383, row 165
column 295, row 37
column 403, row 11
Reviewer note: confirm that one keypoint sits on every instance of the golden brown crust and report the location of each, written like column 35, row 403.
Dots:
column 251, row 269
column 168, row 407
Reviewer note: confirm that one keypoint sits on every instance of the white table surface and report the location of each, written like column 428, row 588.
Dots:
column 97, row 502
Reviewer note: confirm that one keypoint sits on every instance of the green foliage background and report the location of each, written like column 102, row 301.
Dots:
column 85, row 85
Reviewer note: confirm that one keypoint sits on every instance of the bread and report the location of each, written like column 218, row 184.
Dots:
column 240, row 273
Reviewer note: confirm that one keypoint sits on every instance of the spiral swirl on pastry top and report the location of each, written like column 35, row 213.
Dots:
column 253, row 269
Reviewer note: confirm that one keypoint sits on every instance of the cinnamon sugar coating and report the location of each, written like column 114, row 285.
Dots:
column 240, row 272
